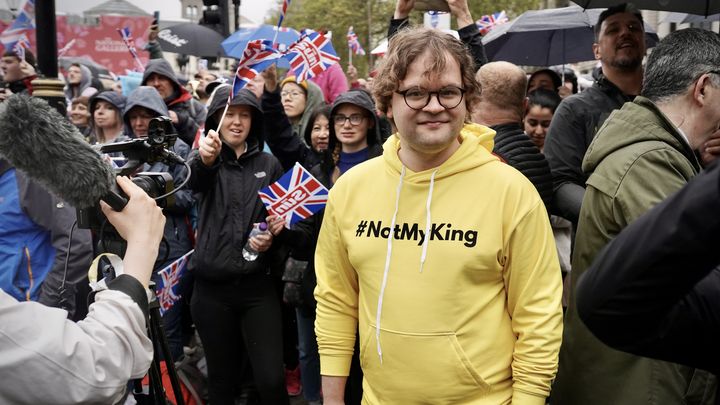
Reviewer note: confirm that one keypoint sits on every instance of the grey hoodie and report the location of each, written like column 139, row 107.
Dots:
column 147, row 97
column 85, row 82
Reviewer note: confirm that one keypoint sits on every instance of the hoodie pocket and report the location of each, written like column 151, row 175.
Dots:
column 423, row 368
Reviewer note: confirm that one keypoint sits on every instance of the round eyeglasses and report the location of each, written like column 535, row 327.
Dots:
column 417, row 98
column 355, row 119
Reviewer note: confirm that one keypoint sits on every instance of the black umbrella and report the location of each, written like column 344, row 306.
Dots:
column 95, row 68
column 191, row 39
column 548, row 37
column 700, row 7
column 684, row 18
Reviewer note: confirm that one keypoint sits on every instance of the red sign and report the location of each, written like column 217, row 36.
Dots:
column 101, row 42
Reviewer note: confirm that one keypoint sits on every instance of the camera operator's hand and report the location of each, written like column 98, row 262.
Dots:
column 403, row 9
column 210, row 147
column 261, row 242
column 141, row 224
column 461, row 11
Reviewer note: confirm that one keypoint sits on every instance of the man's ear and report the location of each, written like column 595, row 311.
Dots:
column 700, row 87
column 596, row 50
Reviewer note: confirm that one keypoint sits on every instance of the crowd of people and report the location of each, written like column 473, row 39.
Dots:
column 467, row 198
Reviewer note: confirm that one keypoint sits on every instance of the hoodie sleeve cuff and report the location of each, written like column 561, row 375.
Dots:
column 523, row 398
column 130, row 286
column 335, row 366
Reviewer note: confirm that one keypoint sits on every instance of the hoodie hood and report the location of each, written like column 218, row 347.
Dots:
column 147, row 97
column 637, row 121
column 112, row 97
column 163, row 68
column 244, row 97
column 363, row 100
column 313, row 98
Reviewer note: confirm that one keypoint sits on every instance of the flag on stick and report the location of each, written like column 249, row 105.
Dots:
column 488, row 22
column 129, row 41
column 295, row 196
column 310, row 55
column 23, row 23
column 167, row 289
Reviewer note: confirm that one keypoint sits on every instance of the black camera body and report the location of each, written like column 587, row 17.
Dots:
column 151, row 149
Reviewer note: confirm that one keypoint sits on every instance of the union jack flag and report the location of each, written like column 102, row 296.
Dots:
column 258, row 56
column 354, row 43
column 487, row 22
column 169, row 280
column 283, row 10
column 62, row 51
column 129, row 41
column 295, row 196
column 20, row 46
column 310, row 55
column 24, row 22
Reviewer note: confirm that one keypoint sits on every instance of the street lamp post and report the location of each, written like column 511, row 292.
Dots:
column 48, row 87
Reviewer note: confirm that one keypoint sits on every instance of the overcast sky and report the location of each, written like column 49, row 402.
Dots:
column 255, row 10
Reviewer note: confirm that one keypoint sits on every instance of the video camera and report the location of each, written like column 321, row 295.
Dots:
column 158, row 185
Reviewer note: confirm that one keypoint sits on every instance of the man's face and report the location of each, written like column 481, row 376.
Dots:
column 708, row 121
column 541, row 81
column 352, row 135
column 74, row 75
column 139, row 118
column 621, row 42
column 162, row 84
column 10, row 66
column 434, row 128
column 204, row 79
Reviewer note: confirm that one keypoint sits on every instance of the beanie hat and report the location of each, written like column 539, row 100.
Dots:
column 293, row 79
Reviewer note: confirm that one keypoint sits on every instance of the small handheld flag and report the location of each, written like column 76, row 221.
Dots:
column 310, row 55
column 167, row 289
column 130, row 44
column 354, row 43
column 295, row 196
column 488, row 22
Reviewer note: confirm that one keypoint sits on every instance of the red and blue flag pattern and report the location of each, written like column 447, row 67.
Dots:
column 310, row 55
column 129, row 41
column 295, row 196
column 354, row 43
column 258, row 56
column 487, row 22
column 20, row 46
column 21, row 26
column 167, row 290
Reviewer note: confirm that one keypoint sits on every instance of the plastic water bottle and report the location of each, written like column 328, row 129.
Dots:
column 248, row 252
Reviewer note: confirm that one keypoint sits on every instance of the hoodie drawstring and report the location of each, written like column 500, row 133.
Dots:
column 428, row 221
column 387, row 264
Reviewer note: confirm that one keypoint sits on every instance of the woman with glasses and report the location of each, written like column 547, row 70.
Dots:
column 299, row 99
column 354, row 138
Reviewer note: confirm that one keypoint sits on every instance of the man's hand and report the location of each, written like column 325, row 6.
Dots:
column 27, row 69
column 4, row 94
column 210, row 147
column 153, row 33
column 403, row 9
column 141, row 224
column 352, row 74
column 173, row 117
column 461, row 11
column 711, row 149
column 271, row 79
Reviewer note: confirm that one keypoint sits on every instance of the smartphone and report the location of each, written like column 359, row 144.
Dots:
column 431, row 5
column 156, row 17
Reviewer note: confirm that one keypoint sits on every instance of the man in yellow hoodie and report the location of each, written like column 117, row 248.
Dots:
column 441, row 255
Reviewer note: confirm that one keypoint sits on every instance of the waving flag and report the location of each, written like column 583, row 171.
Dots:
column 258, row 56
column 62, row 51
column 129, row 41
column 166, row 289
column 310, row 55
column 487, row 22
column 295, row 196
column 283, row 10
column 20, row 46
column 23, row 23
column 354, row 43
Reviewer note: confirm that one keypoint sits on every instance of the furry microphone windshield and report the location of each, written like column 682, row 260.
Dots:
column 36, row 139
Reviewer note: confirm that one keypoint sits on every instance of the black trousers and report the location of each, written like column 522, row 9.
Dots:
column 237, row 320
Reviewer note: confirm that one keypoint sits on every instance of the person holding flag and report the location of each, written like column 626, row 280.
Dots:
column 235, row 300
column 18, row 73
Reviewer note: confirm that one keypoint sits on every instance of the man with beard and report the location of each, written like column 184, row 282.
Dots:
column 643, row 153
column 620, row 46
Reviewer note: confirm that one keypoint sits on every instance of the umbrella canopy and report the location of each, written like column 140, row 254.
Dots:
column 235, row 44
column 700, row 7
column 191, row 39
column 548, row 37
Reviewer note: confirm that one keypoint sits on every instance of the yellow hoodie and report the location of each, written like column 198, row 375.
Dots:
column 470, row 315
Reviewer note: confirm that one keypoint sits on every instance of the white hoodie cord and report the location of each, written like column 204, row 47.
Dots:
column 428, row 221
column 387, row 264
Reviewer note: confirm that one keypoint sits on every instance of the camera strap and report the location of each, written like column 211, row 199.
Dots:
column 116, row 269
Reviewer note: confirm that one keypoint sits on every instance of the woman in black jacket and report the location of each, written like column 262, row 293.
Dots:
column 235, row 305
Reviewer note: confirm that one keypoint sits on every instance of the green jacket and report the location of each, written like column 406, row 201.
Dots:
column 637, row 159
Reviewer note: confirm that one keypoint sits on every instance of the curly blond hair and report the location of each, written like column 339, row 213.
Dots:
column 409, row 44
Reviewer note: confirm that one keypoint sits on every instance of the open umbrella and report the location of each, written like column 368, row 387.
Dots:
column 548, row 37
column 96, row 68
column 700, row 7
column 191, row 39
column 235, row 44
column 684, row 18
